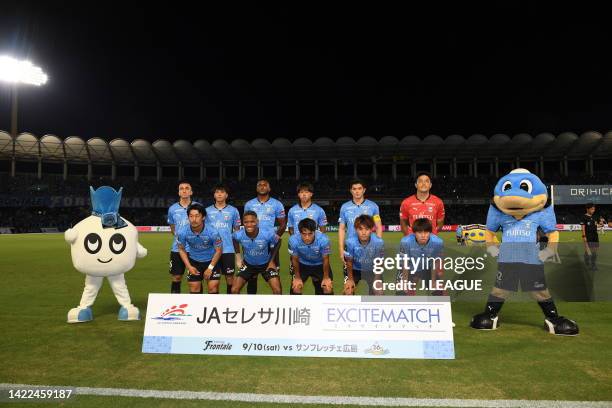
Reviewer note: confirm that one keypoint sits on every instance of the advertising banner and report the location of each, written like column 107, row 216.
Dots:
column 300, row 326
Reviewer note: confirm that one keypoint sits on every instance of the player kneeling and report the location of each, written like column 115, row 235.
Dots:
column 260, row 247
column 359, row 253
column 422, row 251
column 309, row 252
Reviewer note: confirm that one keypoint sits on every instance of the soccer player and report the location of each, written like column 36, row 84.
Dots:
column 350, row 211
column 260, row 247
column 269, row 210
column 226, row 219
column 422, row 204
column 177, row 219
column 423, row 251
column 305, row 208
column 459, row 235
column 309, row 250
column 590, row 237
column 601, row 225
column 361, row 249
column 205, row 249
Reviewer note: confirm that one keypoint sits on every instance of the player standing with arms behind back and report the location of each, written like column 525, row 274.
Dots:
column 269, row 210
column 304, row 209
column 349, row 212
column 226, row 219
column 177, row 219
column 422, row 204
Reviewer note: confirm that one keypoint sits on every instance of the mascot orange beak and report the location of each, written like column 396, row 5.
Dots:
column 520, row 206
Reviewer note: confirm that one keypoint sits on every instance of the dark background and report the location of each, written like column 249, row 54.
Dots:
column 188, row 70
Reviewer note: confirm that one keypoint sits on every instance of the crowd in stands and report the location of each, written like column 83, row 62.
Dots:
column 447, row 187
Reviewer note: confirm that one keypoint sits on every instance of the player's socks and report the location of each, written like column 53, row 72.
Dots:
column 175, row 287
column 587, row 259
column 548, row 308
column 252, row 287
column 494, row 305
column 229, row 289
column 593, row 261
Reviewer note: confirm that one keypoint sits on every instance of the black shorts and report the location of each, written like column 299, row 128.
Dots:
column 593, row 244
column 530, row 277
column 249, row 272
column 177, row 266
column 312, row 271
column 227, row 264
column 356, row 274
column 201, row 267
column 369, row 277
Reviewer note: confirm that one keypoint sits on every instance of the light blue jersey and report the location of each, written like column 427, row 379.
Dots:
column 177, row 216
column 412, row 249
column 297, row 213
column 459, row 232
column 267, row 211
column 225, row 220
column 350, row 211
column 363, row 254
column 256, row 250
column 202, row 245
column 520, row 237
column 309, row 254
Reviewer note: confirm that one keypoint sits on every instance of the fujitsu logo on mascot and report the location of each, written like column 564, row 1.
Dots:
column 520, row 210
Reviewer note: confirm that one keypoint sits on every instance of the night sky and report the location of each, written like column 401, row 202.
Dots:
column 178, row 72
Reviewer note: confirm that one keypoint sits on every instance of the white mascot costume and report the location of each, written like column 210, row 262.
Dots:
column 104, row 245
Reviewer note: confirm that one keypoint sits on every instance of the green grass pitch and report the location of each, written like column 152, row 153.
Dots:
column 518, row 361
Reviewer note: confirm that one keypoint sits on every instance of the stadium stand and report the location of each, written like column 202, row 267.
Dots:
column 44, row 182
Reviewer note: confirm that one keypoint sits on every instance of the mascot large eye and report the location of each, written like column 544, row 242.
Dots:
column 526, row 185
column 117, row 243
column 507, row 186
column 93, row 243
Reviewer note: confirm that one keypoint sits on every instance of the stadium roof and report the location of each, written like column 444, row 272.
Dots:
column 97, row 150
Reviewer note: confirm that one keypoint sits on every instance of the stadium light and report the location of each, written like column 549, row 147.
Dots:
column 21, row 72
column 18, row 72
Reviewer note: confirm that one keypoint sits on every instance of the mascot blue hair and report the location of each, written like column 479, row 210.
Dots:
column 519, row 209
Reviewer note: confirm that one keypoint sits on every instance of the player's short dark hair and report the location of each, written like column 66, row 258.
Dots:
column 184, row 182
column 423, row 173
column 246, row 213
column 422, row 225
column 365, row 221
column 220, row 187
column 198, row 207
column 307, row 224
column 589, row 205
column 263, row 179
column 305, row 185
column 357, row 181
